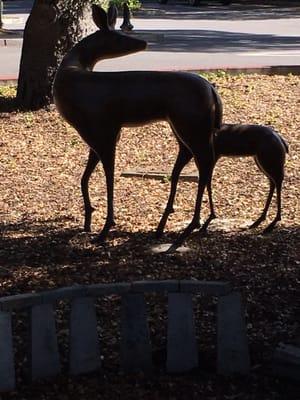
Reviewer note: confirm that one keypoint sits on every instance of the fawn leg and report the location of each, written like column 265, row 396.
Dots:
column 212, row 214
column 270, row 227
column 265, row 210
column 204, row 164
column 183, row 157
column 88, row 209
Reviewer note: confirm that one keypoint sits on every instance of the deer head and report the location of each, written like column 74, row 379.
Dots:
column 106, row 42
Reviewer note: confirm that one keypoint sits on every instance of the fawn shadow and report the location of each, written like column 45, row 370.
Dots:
column 264, row 268
column 49, row 244
column 37, row 256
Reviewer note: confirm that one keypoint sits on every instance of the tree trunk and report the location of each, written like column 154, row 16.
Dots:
column 1, row 10
column 50, row 31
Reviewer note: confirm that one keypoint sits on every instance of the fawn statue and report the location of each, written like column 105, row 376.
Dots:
column 261, row 142
column 99, row 104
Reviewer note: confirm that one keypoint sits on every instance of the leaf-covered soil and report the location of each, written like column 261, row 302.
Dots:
column 42, row 245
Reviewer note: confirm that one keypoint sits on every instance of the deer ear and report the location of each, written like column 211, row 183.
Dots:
column 99, row 17
column 112, row 14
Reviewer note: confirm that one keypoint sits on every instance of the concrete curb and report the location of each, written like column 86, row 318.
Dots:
column 8, row 80
column 12, row 80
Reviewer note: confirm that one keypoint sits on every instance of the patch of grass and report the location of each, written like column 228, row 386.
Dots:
column 29, row 119
column 7, row 98
column 214, row 75
column 8, row 91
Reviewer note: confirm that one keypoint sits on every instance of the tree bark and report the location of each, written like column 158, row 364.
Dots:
column 1, row 10
column 52, row 28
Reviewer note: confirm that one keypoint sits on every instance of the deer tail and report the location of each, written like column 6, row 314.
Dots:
column 286, row 146
column 218, row 108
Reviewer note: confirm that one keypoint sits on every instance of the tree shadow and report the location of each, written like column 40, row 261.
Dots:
column 34, row 244
column 211, row 41
column 42, row 255
column 8, row 104
column 214, row 10
column 17, row 7
column 48, row 244
column 271, row 306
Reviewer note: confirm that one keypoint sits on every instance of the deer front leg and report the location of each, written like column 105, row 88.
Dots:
column 183, row 157
column 88, row 209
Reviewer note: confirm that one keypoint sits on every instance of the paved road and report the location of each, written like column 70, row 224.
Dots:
column 182, row 37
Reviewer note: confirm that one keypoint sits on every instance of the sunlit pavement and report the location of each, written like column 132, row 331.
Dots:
column 181, row 37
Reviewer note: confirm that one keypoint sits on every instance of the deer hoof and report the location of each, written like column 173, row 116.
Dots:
column 172, row 249
column 99, row 240
column 203, row 231
column 255, row 225
column 268, row 229
column 158, row 233
column 87, row 225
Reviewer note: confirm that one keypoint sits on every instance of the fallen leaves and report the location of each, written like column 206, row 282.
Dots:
column 42, row 245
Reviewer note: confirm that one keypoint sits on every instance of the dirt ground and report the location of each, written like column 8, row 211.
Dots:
column 42, row 245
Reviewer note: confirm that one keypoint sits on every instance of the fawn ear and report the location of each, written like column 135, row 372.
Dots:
column 112, row 14
column 99, row 17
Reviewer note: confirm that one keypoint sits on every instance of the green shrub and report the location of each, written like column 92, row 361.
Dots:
column 132, row 4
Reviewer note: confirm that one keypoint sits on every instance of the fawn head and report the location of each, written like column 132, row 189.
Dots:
column 106, row 42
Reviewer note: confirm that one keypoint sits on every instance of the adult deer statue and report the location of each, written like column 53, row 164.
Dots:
column 99, row 104
column 267, row 148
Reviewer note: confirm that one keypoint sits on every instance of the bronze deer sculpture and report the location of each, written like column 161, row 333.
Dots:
column 233, row 140
column 98, row 104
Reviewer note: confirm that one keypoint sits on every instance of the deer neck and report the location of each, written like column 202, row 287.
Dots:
column 83, row 56
column 95, row 47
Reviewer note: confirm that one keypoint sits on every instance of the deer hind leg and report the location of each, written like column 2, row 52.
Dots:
column 265, row 210
column 204, row 159
column 183, row 157
column 92, row 162
column 212, row 214
column 277, row 218
column 272, row 167
column 260, row 164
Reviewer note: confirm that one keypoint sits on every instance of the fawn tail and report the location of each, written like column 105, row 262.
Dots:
column 286, row 146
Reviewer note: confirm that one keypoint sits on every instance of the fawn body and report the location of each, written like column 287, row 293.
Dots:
column 98, row 104
column 235, row 140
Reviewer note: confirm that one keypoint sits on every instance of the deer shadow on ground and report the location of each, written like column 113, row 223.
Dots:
column 47, row 244
column 42, row 255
